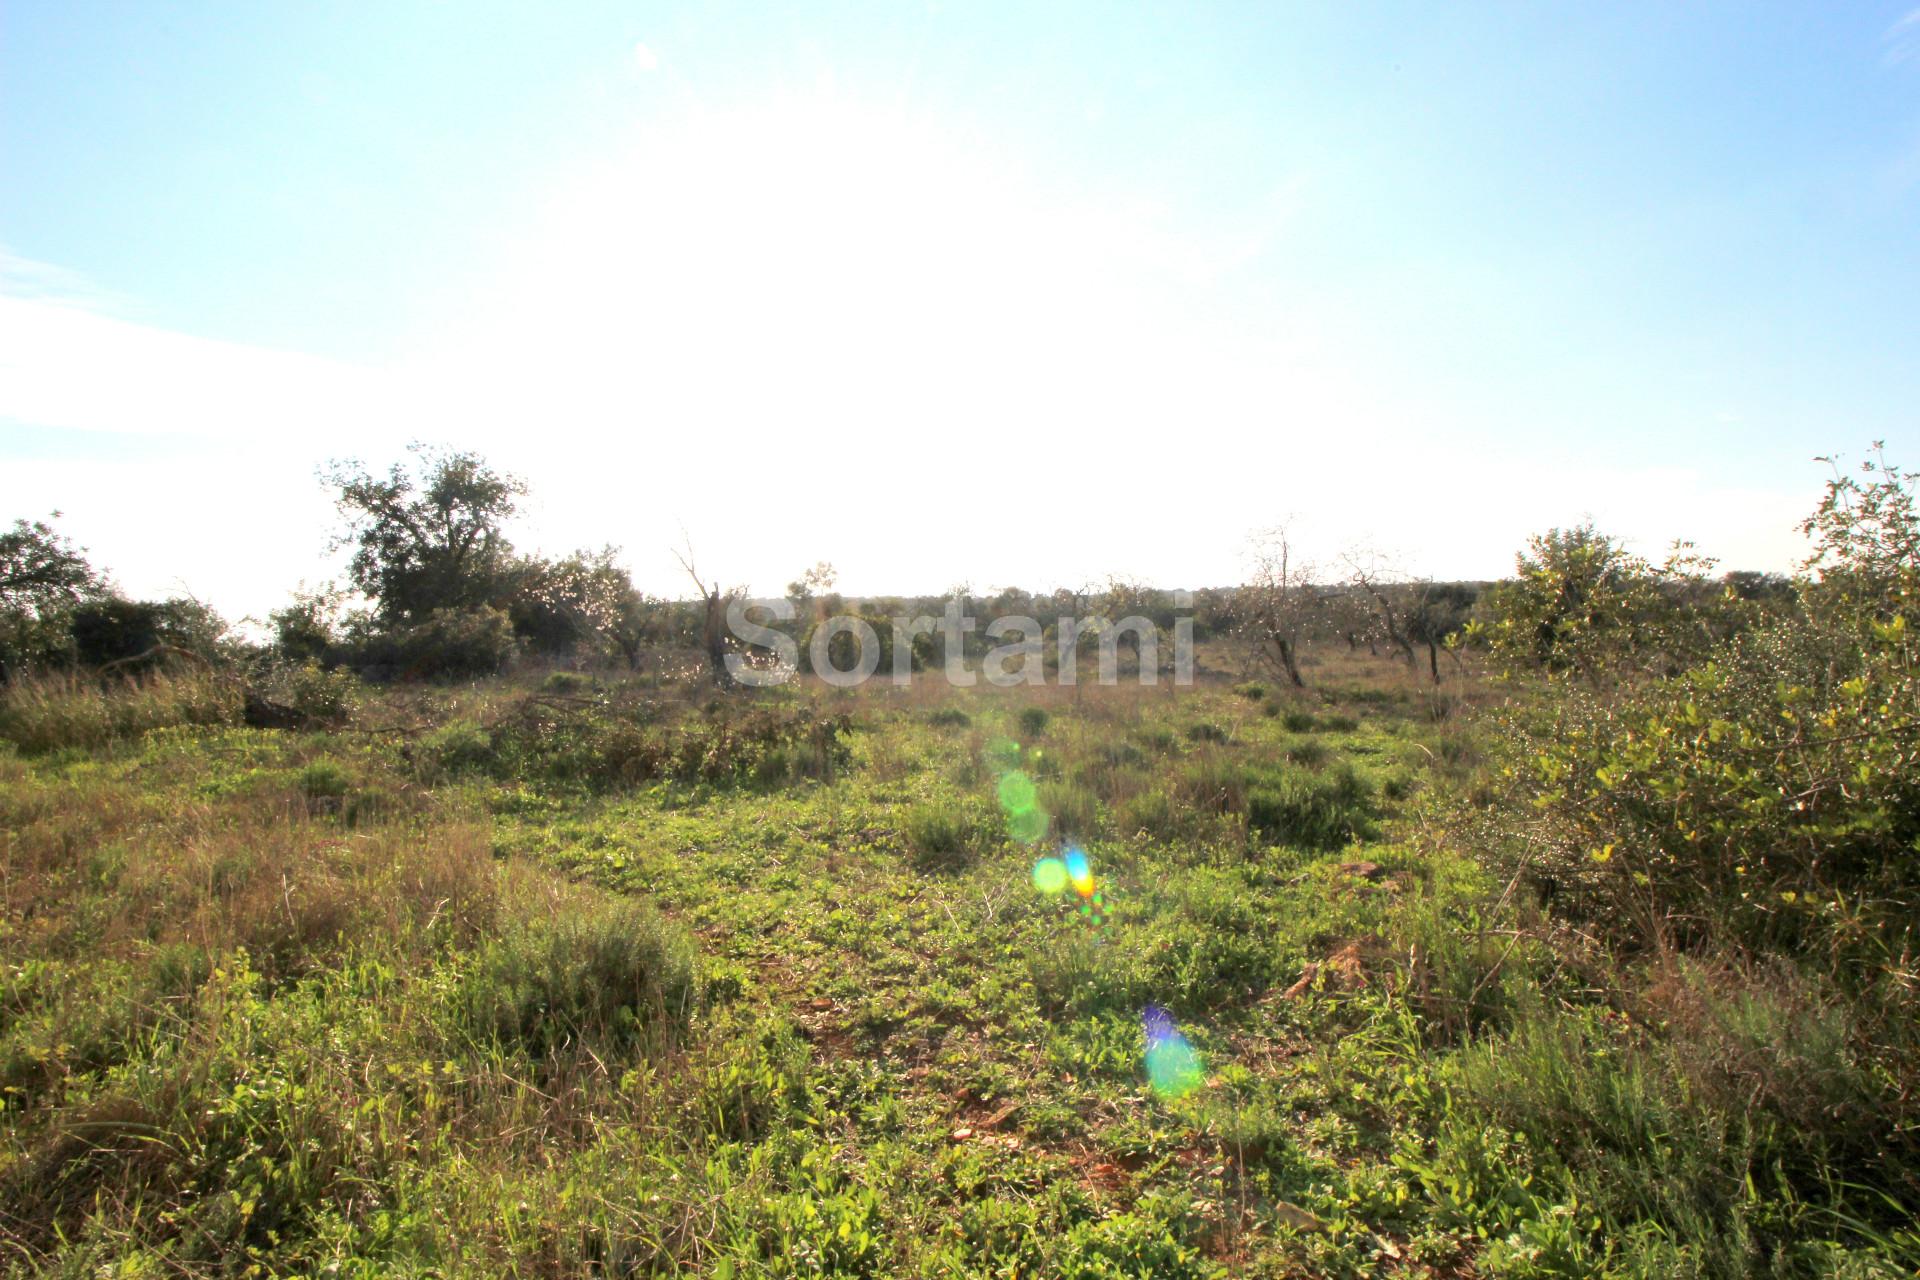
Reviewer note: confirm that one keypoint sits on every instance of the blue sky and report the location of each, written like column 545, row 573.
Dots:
column 1005, row 294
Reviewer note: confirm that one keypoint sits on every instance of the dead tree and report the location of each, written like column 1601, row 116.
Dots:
column 1413, row 612
column 1279, row 600
column 713, row 627
column 1392, row 603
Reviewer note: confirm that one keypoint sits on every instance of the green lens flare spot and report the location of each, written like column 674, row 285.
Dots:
column 1029, row 826
column 1017, row 793
column 1050, row 876
column 1174, row 1069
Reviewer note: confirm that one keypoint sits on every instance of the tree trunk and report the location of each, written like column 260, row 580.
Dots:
column 1287, row 661
column 715, row 635
column 1433, row 660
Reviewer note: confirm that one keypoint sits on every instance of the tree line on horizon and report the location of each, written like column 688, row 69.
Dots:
column 435, row 590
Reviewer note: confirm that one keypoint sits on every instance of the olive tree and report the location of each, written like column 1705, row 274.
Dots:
column 426, row 537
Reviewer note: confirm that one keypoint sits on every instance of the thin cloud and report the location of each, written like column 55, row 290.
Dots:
column 1903, row 40
column 645, row 58
column 30, row 279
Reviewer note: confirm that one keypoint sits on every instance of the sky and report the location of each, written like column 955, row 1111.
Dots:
column 955, row 293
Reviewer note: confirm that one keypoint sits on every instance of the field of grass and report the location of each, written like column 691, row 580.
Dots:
column 587, row 977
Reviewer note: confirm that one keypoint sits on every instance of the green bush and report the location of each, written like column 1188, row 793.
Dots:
column 320, row 696
column 1033, row 721
column 1084, row 973
column 324, row 780
column 1075, row 808
column 459, row 747
column 1581, row 606
column 1324, row 810
column 451, row 644
column 1747, row 1141
column 606, row 976
column 1154, row 811
column 940, row 834
column 1308, row 753
column 949, row 718
column 1770, row 798
column 117, row 630
column 1299, row 722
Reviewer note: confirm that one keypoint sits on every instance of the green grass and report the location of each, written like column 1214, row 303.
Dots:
column 633, row 986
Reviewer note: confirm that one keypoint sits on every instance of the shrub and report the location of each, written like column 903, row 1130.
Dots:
column 324, row 780
column 118, row 630
column 1767, row 799
column 566, row 682
column 1581, row 605
column 1033, row 721
column 1213, row 784
column 317, row 695
column 459, row 747
column 1084, row 973
column 1308, row 753
column 617, row 746
column 1736, row 1154
column 451, row 644
column 949, row 718
column 1075, row 809
column 1252, row 691
column 1154, row 811
column 1206, row 733
column 605, row 975
column 1325, row 810
column 1299, row 722
column 940, row 833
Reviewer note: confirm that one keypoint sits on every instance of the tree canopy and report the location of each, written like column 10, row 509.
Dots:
column 429, row 536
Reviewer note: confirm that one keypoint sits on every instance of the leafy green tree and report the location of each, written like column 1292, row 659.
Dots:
column 307, row 629
column 1582, row 605
column 1437, row 617
column 1766, row 796
column 429, row 537
column 43, row 578
column 1866, row 556
column 118, row 630
column 586, row 601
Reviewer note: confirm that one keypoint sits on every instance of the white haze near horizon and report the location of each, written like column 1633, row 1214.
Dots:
column 811, row 332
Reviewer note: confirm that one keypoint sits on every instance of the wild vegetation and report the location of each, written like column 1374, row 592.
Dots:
column 1563, row 926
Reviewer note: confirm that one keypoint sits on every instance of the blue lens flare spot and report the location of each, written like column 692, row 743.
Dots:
column 1079, row 871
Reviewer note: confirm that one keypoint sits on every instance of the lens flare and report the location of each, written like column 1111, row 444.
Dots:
column 1050, row 876
column 1029, row 826
column 1017, row 792
column 1079, row 871
column 1173, row 1068
column 1003, row 753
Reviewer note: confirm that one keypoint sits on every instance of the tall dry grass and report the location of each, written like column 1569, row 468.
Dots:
column 46, row 713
